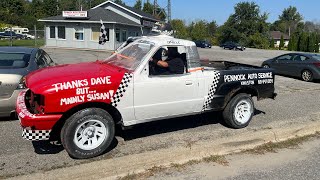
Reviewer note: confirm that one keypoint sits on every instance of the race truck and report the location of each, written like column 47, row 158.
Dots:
column 80, row 104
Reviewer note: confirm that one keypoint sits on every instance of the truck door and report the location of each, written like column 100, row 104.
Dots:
column 158, row 96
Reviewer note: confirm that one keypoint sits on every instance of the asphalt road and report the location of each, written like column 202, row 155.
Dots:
column 297, row 102
column 301, row 163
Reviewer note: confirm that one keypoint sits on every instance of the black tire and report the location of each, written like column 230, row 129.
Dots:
column 230, row 113
column 307, row 75
column 87, row 121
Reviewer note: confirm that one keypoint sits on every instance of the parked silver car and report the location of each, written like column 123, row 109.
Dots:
column 15, row 63
column 303, row 65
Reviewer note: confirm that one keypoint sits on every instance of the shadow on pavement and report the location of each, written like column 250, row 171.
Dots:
column 47, row 147
column 171, row 125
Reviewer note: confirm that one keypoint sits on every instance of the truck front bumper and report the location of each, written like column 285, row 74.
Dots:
column 35, row 127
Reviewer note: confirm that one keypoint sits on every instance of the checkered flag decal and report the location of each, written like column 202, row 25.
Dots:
column 36, row 135
column 212, row 90
column 103, row 38
column 121, row 89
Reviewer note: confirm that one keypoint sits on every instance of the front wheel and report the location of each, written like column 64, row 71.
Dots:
column 307, row 75
column 239, row 111
column 88, row 133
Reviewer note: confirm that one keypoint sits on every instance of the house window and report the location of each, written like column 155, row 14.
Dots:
column 137, row 34
column 78, row 34
column 95, row 33
column 61, row 32
column 124, row 35
column 52, row 31
column 118, row 35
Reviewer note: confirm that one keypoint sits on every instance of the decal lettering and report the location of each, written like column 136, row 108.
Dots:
column 265, row 81
column 100, row 80
column 70, row 85
column 83, row 92
column 173, row 42
column 72, row 100
column 81, row 83
column 231, row 78
column 250, row 79
column 100, row 96
column 246, row 83
column 265, row 75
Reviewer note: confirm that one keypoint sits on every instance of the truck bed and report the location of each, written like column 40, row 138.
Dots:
column 226, row 65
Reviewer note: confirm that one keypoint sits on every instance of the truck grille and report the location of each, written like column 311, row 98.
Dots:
column 34, row 102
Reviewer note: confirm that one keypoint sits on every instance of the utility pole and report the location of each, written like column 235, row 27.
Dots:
column 169, row 10
column 155, row 5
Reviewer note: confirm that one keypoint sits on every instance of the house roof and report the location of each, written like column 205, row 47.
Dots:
column 276, row 35
column 132, row 10
column 94, row 16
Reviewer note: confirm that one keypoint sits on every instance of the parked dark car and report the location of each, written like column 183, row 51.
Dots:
column 15, row 63
column 303, row 65
column 203, row 44
column 232, row 45
column 13, row 35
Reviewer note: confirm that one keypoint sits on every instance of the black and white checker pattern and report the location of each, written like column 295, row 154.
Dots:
column 36, row 135
column 103, row 38
column 121, row 89
column 212, row 90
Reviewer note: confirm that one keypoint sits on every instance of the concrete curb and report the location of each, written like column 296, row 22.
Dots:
column 137, row 163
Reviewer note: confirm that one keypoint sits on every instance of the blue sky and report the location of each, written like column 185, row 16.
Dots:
column 219, row 10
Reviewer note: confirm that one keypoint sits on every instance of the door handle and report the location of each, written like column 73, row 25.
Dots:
column 188, row 82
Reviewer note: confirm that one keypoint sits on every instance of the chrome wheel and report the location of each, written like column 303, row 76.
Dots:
column 243, row 111
column 90, row 134
column 306, row 75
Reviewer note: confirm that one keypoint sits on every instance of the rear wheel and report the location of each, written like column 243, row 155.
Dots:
column 88, row 133
column 307, row 75
column 239, row 111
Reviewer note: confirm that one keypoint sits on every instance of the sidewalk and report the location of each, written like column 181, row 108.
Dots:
column 122, row 166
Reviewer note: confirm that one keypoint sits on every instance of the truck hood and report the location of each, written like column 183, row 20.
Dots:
column 44, row 80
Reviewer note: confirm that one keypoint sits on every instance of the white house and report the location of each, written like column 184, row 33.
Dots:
column 81, row 29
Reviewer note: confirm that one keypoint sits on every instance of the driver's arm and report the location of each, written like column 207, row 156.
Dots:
column 162, row 64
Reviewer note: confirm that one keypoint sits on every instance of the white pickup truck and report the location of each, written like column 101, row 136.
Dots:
column 81, row 103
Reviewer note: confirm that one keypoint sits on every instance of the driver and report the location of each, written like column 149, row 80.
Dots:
column 173, row 65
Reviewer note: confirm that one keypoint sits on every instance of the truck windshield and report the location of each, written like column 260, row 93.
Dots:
column 131, row 56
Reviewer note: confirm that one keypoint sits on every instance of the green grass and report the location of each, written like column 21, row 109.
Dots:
column 23, row 42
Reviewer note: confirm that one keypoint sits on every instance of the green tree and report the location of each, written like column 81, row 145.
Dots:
column 303, row 42
column 199, row 30
column 180, row 28
column 138, row 5
column 272, row 43
column 50, row 7
column 119, row 2
column 259, row 41
column 147, row 7
column 245, row 22
column 291, row 17
column 281, row 43
column 212, row 28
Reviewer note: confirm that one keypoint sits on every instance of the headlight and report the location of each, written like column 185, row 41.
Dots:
column 22, row 83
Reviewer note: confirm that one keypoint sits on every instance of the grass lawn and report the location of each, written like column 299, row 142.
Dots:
column 23, row 42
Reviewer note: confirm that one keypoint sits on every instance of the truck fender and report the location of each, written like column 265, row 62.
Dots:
column 248, row 90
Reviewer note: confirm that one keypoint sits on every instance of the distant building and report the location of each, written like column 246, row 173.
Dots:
column 276, row 36
column 81, row 29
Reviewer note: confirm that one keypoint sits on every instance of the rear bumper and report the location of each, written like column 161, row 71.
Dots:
column 35, row 127
column 7, row 106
